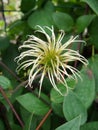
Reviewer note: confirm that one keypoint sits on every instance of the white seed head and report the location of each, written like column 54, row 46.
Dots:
column 49, row 57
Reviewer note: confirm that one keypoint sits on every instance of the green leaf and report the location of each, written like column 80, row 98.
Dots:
column 40, row 3
column 57, row 108
column 4, row 43
column 71, row 125
column 2, row 125
column 27, row 5
column 33, row 104
column 63, row 21
column 47, row 124
column 20, row 29
column 8, row 58
column 90, row 126
column 93, row 30
column 47, row 85
column 58, row 98
column 16, row 127
column 49, row 7
column 86, row 87
column 55, row 96
column 73, row 107
column 5, row 82
column 40, row 17
column 93, row 5
column 81, row 24
column 93, row 63
column 28, row 123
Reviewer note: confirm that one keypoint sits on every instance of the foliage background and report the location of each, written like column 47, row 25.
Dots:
column 20, row 107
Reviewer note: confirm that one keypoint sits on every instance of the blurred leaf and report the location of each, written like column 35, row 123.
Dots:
column 72, row 7
column 58, row 98
column 56, row 121
column 45, row 97
column 47, row 124
column 1, row 25
column 93, row 33
column 8, row 58
column 5, row 82
column 86, row 87
column 81, row 24
column 2, row 125
column 49, row 7
column 16, row 127
column 27, row 5
column 4, row 43
column 28, row 123
column 18, row 29
column 55, row 96
column 47, row 85
column 57, row 108
column 93, row 63
column 40, row 3
column 93, row 4
column 90, row 126
column 33, row 104
column 63, row 21
column 74, row 124
column 73, row 107
column 42, row 17
column 37, row 19
column 10, row 116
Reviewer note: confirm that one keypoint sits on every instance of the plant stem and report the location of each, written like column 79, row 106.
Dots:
column 93, row 51
column 44, row 119
column 3, row 15
column 10, row 71
column 11, row 106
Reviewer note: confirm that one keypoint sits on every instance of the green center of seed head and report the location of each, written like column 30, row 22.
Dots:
column 49, row 57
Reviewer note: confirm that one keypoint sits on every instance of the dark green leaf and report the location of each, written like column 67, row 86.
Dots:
column 5, row 82
column 47, row 124
column 40, row 3
column 93, row 4
column 93, row 63
column 71, row 125
column 33, row 104
column 73, row 107
column 40, row 17
column 9, row 56
column 16, row 127
column 4, row 43
column 2, row 125
column 90, row 126
column 63, row 21
column 49, row 7
column 55, row 96
column 46, row 85
column 28, row 123
column 27, row 5
column 58, row 98
column 57, row 108
column 86, row 87
column 93, row 33
column 83, row 22
column 20, row 29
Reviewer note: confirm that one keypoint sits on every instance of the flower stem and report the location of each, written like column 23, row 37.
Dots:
column 11, row 106
column 10, row 71
column 44, row 119
column 93, row 52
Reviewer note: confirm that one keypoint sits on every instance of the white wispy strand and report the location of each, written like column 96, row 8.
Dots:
column 49, row 57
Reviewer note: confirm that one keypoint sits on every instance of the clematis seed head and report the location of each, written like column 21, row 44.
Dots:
column 49, row 57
